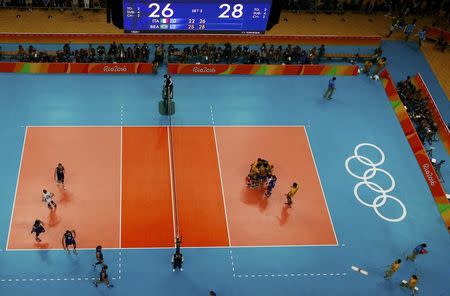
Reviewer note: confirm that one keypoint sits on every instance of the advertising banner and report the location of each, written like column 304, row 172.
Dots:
column 241, row 69
column 77, row 68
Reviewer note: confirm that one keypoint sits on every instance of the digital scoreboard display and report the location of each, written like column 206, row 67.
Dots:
column 196, row 16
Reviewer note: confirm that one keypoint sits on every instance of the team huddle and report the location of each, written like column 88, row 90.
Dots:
column 261, row 176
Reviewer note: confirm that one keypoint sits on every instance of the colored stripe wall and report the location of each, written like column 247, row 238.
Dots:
column 76, row 68
column 189, row 39
column 238, row 69
column 426, row 166
column 443, row 131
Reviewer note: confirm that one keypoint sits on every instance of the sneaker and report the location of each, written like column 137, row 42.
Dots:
column 173, row 270
column 181, row 269
column 75, row 252
column 110, row 286
column 68, row 252
column 95, row 284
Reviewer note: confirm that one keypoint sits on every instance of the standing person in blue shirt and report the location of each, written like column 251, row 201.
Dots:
column 270, row 185
column 419, row 250
column 103, row 278
column 409, row 29
column 99, row 256
column 422, row 35
column 331, row 89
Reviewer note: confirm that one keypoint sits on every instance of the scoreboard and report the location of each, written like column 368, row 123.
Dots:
column 196, row 16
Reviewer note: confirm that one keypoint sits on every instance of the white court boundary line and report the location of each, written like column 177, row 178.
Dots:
column 69, row 278
column 221, row 181
column 171, row 248
column 222, row 190
column 171, row 184
column 17, row 186
column 303, row 274
column 120, row 188
column 174, row 125
column 321, row 187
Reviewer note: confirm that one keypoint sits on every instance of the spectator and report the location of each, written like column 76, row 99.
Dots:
column 112, row 52
column 321, row 52
column 101, row 51
column 441, row 42
column 417, row 108
column 75, row 8
column 145, row 53
column 29, row 4
column 422, row 35
column 91, row 54
column 21, row 53
column 410, row 29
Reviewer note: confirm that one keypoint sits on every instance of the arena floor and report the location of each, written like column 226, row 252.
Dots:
column 107, row 132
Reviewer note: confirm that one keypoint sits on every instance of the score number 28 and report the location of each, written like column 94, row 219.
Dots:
column 236, row 11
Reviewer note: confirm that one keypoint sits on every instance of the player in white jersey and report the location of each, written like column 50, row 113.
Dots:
column 47, row 197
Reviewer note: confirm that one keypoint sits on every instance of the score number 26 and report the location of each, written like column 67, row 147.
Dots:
column 237, row 11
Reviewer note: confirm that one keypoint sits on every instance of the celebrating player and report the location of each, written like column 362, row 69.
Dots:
column 291, row 193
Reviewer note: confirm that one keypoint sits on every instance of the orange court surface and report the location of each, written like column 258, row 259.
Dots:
column 127, row 171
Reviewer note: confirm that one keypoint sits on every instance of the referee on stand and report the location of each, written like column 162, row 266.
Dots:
column 168, row 87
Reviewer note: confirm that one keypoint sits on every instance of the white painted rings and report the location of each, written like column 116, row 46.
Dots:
column 382, row 197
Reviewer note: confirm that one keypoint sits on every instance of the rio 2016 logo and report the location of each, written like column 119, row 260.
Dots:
column 115, row 69
column 204, row 69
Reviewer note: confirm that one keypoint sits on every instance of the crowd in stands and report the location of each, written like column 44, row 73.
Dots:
column 116, row 53
column 62, row 4
column 205, row 54
column 417, row 7
column 417, row 108
column 266, row 54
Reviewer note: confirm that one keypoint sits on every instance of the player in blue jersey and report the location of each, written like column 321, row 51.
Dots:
column 68, row 239
column 270, row 185
column 38, row 228
column 103, row 278
column 99, row 256
column 59, row 175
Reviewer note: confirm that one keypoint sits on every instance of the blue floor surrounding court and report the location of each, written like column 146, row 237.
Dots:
column 359, row 113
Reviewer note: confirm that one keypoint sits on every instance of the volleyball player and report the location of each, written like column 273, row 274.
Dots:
column 178, row 244
column 177, row 261
column 59, row 175
column 47, row 197
column 99, row 256
column 392, row 269
column 291, row 193
column 68, row 239
column 270, row 185
column 103, row 278
column 38, row 228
